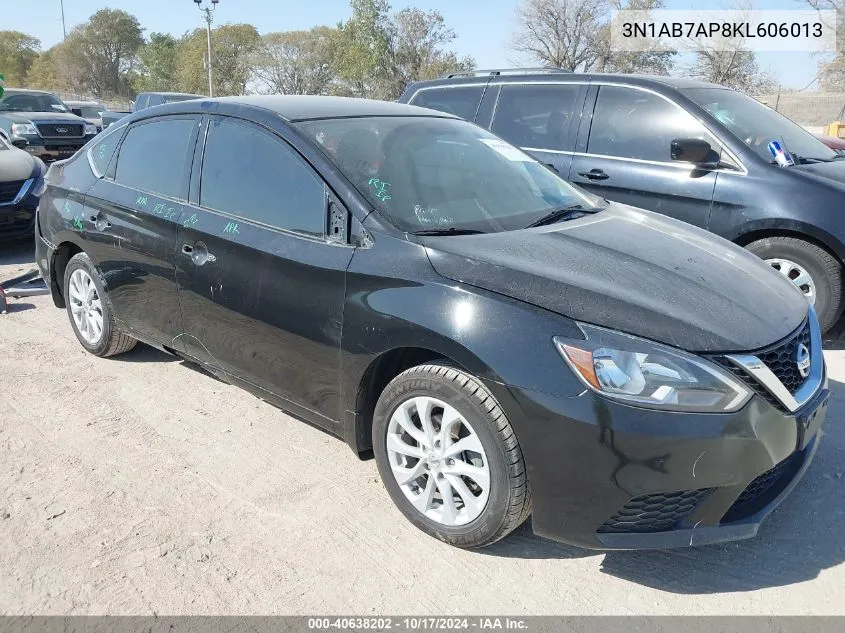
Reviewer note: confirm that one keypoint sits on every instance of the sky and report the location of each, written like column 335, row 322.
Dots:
column 484, row 27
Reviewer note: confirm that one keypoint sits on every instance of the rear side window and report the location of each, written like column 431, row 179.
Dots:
column 153, row 156
column 254, row 175
column 101, row 152
column 536, row 117
column 460, row 101
column 633, row 123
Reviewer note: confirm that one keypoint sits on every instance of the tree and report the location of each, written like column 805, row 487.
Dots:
column 233, row 48
column 42, row 74
column 18, row 51
column 158, row 64
column 100, row 55
column 831, row 71
column 296, row 62
column 576, row 35
column 377, row 53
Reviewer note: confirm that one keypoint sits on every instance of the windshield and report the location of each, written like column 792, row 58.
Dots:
column 757, row 125
column 429, row 173
column 31, row 102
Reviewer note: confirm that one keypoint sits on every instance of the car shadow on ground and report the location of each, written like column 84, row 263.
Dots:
column 17, row 252
column 800, row 539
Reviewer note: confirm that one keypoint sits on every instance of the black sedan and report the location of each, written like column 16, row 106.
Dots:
column 21, row 177
column 505, row 343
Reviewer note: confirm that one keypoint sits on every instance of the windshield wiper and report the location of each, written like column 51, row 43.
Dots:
column 571, row 212
column 450, row 231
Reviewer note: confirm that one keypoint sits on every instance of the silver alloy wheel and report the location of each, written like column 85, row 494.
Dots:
column 438, row 461
column 797, row 275
column 85, row 306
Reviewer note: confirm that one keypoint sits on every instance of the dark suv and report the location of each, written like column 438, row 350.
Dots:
column 503, row 341
column 40, row 118
column 638, row 140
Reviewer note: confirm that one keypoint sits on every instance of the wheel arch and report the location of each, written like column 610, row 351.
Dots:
column 61, row 256
column 813, row 235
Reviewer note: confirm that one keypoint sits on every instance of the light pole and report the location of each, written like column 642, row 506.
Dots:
column 64, row 28
column 209, row 11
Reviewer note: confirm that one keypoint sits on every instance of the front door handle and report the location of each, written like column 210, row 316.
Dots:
column 198, row 253
column 594, row 174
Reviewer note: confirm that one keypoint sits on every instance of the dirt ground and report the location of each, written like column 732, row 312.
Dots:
column 139, row 485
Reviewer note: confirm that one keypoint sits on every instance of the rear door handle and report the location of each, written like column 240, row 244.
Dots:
column 198, row 253
column 99, row 222
column 594, row 174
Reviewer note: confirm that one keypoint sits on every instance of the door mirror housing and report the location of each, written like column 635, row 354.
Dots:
column 76, row 111
column 695, row 151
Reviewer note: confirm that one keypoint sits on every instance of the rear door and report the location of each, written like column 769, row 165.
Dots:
column 261, row 288
column 132, row 215
column 626, row 155
column 542, row 119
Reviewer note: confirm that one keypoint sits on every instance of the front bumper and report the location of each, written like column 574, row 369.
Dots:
column 17, row 221
column 50, row 150
column 604, row 475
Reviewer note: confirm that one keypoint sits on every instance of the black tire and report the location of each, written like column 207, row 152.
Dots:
column 113, row 340
column 509, row 501
column 825, row 270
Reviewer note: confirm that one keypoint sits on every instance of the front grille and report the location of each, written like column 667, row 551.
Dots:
column 782, row 360
column 9, row 190
column 655, row 512
column 763, row 489
column 60, row 130
column 15, row 225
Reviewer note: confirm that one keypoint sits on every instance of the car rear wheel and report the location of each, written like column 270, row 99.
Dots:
column 89, row 310
column 816, row 273
column 449, row 457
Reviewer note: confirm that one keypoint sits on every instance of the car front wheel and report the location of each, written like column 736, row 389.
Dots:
column 816, row 273
column 449, row 457
column 89, row 311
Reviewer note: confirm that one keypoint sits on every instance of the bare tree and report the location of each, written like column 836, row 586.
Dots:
column 831, row 71
column 576, row 35
column 295, row 62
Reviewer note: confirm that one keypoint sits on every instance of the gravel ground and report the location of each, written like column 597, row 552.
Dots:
column 140, row 485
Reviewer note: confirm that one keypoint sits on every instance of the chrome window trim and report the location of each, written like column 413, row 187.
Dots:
column 21, row 193
column 675, row 164
column 439, row 87
column 754, row 366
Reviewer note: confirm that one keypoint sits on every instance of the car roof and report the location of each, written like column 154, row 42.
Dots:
column 514, row 76
column 172, row 94
column 308, row 107
column 26, row 91
column 83, row 103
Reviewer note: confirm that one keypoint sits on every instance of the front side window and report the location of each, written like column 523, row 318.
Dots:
column 631, row 123
column 254, row 175
column 153, row 156
column 426, row 173
column 536, row 117
column 460, row 101
column 757, row 125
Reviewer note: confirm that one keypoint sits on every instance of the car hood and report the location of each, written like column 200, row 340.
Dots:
column 15, row 164
column 636, row 272
column 834, row 171
column 25, row 117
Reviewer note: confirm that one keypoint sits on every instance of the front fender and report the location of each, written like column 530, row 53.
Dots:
column 744, row 233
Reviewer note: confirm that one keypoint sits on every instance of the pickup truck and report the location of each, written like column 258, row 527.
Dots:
column 147, row 100
column 42, row 120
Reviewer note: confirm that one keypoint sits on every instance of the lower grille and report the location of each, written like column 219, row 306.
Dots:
column 655, row 512
column 9, row 190
column 60, row 130
column 763, row 489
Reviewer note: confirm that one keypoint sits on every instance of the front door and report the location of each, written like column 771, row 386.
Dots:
column 262, row 290
column 627, row 155
column 131, row 217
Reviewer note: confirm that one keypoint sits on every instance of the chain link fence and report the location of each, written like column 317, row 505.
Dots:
column 812, row 110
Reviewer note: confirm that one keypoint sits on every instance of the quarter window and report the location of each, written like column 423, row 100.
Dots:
column 462, row 102
column 153, row 157
column 103, row 150
column 633, row 123
column 251, row 174
column 536, row 116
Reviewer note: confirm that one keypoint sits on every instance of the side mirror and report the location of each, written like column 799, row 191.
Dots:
column 76, row 111
column 695, row 151
column 20, row 143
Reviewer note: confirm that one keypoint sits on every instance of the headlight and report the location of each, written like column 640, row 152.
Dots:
column 24, row 128
column 90, row 128
column 647, row 374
